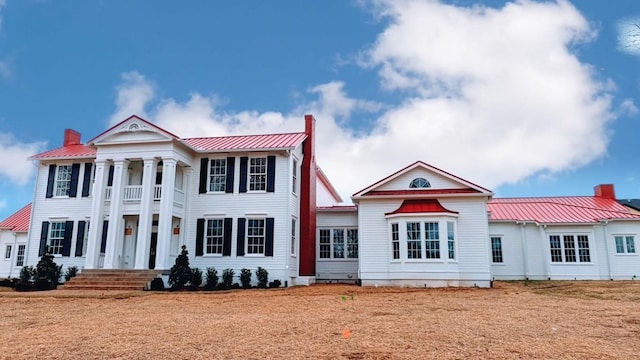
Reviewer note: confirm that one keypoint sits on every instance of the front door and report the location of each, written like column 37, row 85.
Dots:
column 152, row 250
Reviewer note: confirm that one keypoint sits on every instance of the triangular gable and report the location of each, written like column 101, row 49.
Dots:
column 325, row 186
column 441, row 183
column 134, row 129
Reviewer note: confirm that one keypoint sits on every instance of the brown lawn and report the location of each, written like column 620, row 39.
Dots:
column 542, row 320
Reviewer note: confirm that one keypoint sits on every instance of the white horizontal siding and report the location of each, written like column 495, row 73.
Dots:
column 437, row 181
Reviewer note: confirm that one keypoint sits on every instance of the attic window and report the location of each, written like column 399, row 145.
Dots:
column 419, row 183
column 134, row 126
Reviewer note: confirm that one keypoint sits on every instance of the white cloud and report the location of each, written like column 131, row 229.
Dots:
column 133, row 94
column 629, row 36
column 14, row 159
column 492, row 95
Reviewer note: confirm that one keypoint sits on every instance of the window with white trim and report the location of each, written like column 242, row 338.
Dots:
column 414, row 242
column 20, row 255
column 258, row 174
column 496, row 249
column 255, row 236
column 569, row 248
column 451, row 240
column 395, row 241
column 432, row 240
column 85, row 240
column 56, row 237
column 217, row 175
column 625, row 244
column 63, row 180
column 338, row 243
column 214, row 239
column 419, row 183
column 294, row 177
column 294, row 238
column 7, row 252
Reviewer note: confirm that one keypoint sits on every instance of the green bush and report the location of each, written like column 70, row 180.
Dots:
column 227, row 278
column 27, row 274
column 180, row 273
column 211, row 278
column 263, row 277
column 157, row 284
column 196, row 278
column 72, row 271
column 245, row 278
column 47, row 272
column 275, row 284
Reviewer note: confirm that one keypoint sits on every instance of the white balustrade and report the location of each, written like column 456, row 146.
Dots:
column 132, row 193
column 157, row 192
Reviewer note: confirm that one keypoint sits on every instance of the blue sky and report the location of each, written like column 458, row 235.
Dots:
column 526, row 98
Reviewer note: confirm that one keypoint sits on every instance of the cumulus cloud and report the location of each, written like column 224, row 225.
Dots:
column 494, row 95
column 14, row 163
column 133, row 94
column 629, row 36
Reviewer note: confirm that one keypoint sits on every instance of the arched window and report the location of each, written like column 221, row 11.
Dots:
column 419, row 183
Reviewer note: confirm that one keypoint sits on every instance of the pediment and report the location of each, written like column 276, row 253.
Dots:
column 422, row 179
column 133, row 130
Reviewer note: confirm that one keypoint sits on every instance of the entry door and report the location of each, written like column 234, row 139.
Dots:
column 152, row 250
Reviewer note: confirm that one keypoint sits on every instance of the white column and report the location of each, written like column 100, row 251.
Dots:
column 97, row 216
column 115, row 232
column 166, row 214
column 146, row 214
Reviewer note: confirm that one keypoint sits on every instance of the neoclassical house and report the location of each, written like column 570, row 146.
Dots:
column 132, row 196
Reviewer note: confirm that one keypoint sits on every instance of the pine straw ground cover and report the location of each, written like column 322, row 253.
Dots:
column 543, row 320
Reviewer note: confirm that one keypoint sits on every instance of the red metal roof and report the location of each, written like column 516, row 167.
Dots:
column 247, row 142
column 574, row 209
column 67, row 152
column 19, row 221
column 417, row 206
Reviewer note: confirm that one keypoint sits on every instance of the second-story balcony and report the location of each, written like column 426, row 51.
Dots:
column 133, row 193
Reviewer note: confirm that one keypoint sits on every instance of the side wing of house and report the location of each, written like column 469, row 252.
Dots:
column 13, row 242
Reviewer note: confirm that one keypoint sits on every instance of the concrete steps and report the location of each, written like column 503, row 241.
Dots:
column 111, row 279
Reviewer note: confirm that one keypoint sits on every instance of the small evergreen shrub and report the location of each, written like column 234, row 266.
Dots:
column 47, row 272
column 180, row 273
column 245, row 278
column 71, row 272
column 227, row 278
column 263, row 277
column 211, row 278
column 157, row 284
column 27, row 274
column 196, row 278
column 275, row 284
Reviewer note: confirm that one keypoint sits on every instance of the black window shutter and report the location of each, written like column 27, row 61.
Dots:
column 226, row 244
column 204, row 171
column 68, row 232
column 51, row 180
column 80, row 238
column 105, row 229
column 243, row 173
column 110, row 178
column 75, row 172
column 86, row 180
column 240, row 247
column 200, row 237
column 44, row 234
column 231, row 165
column 271, row 173
column 268, row 240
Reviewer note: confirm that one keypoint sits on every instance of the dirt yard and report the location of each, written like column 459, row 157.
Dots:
column 538, row 320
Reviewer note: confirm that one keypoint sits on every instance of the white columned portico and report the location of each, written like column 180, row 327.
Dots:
column 97, row 216
column 166, row 213
column 115, row 231
column 146, row 215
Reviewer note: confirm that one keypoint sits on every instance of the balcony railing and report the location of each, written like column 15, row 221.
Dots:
column 133, row 193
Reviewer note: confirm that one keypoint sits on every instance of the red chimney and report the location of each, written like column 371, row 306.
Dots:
column 605, row 191
column 71, row 137
column 308, row 202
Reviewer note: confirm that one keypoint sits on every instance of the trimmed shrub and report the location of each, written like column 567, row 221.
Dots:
column 196, row 278
column 157, row 284
column 180, row 273
column 245, row 278
column 47, row 272
column 211, row 278
column 27, row 274
column 275, row 284
column 263, row 277
column 72, row 271
column 227, row 278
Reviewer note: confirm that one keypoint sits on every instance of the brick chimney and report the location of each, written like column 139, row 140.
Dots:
column 308, row 202
column 71, row 137
column 605, row 191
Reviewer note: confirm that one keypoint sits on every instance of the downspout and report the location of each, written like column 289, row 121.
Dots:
column 525, row 262
column 606, row 246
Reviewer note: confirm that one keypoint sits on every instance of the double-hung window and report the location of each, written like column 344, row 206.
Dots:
column 352, row 243
column 395, row 241
column 432, row 240
column 255, row 236
column 56, row 237
column 496, row 249
column 625, row 244
column 451, row 240
column 294, row 177
column 258, row 174
column 325, row 244
column 7, row 252
column 217, row 175
column 414, row 242
column 214, row 236
column 294, row 238
column 63, row 180
column 20, row 255
column 569, row 248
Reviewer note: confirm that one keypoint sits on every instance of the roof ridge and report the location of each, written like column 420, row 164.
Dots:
column 228, row 136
